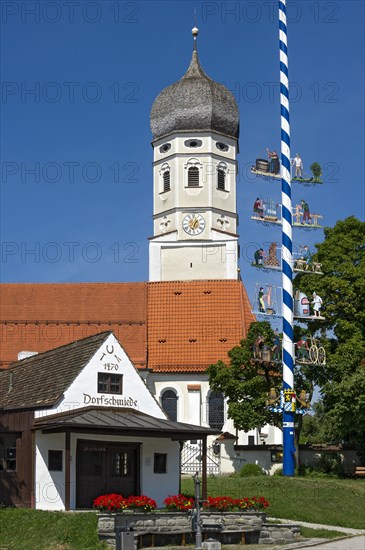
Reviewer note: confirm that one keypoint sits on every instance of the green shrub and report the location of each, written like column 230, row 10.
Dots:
column 330, row 464
column 278, row 472
column 249, row 470
column 326, row 465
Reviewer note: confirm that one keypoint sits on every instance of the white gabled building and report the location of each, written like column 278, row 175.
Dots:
column 78, row 422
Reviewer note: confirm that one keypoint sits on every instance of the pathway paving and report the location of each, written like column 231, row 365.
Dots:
column 346, row 530
column 347, row 543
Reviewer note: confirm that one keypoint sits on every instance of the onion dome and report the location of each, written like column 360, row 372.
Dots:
column 195, row 103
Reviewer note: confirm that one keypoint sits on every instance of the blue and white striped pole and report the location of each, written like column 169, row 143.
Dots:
column 287, row 262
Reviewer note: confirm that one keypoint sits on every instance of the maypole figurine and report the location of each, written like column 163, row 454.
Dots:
column 267, row 169
column 266, row 300
column 298, row 166
column 302, row 349
column 274, row 165
column 265, row 211
column 267, row 260
column 259, row 257
column 302, row 306
column 270, row 170
column 304, row 218
column 309, row 351
column 317, row 305
column 300, row 176
column 306, row 213
column 305, row 262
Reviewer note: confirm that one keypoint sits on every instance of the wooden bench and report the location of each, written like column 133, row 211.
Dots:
column 354, row 471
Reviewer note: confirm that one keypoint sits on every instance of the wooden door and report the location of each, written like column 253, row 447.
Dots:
column 103, row 468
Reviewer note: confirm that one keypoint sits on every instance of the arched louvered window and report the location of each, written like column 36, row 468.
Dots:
column 166, row 181
column 169, row 404
column 193, row 176
column 221, row 179
column 216, row 410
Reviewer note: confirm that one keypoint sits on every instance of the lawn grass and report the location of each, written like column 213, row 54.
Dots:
column 328, row 501
column 22, row 529
column 310, row 533
column 325, row 501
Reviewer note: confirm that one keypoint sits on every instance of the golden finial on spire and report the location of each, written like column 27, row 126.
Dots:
column 194, row 31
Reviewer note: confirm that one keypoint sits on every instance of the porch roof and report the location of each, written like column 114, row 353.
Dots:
column 120, row 421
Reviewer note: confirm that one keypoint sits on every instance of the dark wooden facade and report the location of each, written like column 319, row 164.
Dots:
column 16, row 487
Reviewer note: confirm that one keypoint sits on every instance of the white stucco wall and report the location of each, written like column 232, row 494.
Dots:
column 173, row 262
column 192, row 407
column 83, row 391
column 50, row 486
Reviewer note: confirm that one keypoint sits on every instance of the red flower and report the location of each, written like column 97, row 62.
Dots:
column 225, row 504
column 179, row 502
column 115, row 502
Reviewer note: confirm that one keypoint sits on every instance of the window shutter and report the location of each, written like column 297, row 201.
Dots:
column 221, row 179
column 193, row 177
column 166, row 181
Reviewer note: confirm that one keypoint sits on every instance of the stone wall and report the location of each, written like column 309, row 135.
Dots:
column 181, row 522
column 279, row 533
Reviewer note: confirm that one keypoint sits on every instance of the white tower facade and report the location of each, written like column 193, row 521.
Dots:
column 195, row 125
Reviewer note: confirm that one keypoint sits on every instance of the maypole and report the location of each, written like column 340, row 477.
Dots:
column 289, row 404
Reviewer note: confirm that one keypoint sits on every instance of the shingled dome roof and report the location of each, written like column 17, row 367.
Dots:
column 195, row 103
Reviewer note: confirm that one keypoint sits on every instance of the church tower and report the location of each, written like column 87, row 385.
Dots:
column 195, row 127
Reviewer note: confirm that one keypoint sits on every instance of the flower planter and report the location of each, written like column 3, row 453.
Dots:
column 175, row 524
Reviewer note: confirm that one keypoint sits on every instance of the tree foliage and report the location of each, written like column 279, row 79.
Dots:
column 342, row 288
column 340, row 415
column 246, row 383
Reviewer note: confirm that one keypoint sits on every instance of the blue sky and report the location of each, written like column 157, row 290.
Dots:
column 95, row 69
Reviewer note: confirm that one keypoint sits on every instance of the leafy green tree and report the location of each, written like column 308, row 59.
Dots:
column 246, row 383
column 342, row 289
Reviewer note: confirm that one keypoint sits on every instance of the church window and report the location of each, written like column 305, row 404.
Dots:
column 110, row 383
column 193, row 176
column 216, row 410
column 193, row 143
column 222, row 146
column 166, row 181
column 221, row 179
column 169, row 404
column 165, row 147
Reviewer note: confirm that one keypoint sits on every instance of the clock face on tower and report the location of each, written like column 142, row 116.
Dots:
column 193, row 224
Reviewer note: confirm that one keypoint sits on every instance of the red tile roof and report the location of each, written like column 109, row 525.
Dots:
column 192, row 324
column 38, row 317
column 188, row 325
